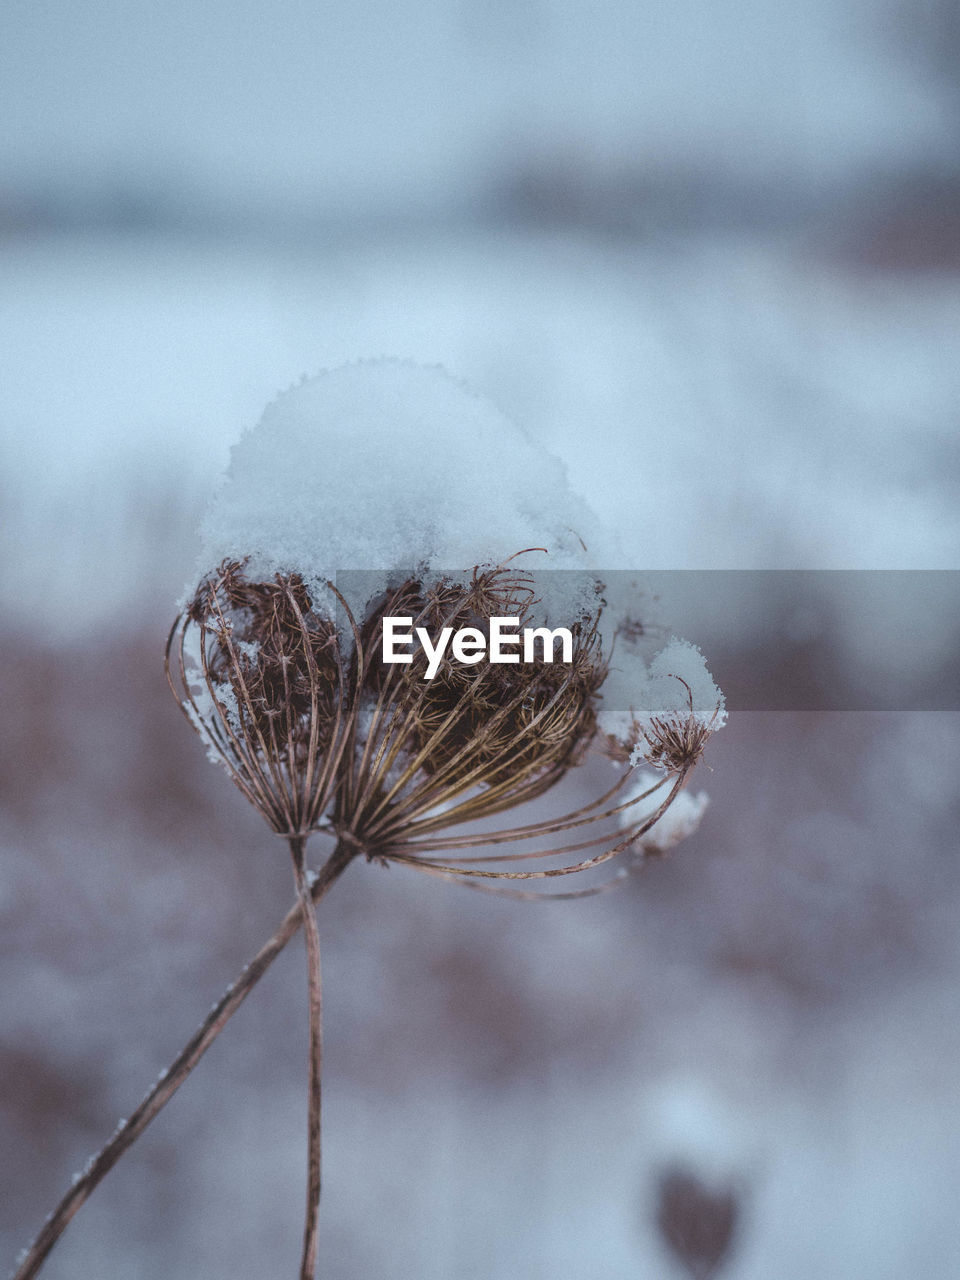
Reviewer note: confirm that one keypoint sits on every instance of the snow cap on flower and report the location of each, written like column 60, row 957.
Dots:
column 662, row 714
column 681, row 707
column 277, row 658
column 401, row 472
column 385, row 465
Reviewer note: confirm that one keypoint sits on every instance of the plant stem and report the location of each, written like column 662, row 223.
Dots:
column 311, row 934
column 170, row 1080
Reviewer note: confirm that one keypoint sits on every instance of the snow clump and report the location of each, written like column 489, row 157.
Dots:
column 680, row 820
column 386, row 465
column 662, row 713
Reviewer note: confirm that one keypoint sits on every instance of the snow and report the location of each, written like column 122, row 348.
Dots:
column 681, row 819
column 680, row 686
column 205, row 712
column 389, row 465
column 675, row 688
column 77, row 1177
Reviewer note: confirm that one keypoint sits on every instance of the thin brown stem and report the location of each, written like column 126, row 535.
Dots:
column 311, row 934
column 170, row 1080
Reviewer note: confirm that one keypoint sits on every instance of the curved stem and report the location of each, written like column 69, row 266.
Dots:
column 311, row 934
column 170, row 1080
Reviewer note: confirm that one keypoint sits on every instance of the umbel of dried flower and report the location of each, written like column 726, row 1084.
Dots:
column 274, row 704
column 283, row 678
column 320, row 735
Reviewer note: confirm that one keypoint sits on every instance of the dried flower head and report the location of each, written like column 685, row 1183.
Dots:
column 474, row 739
column 260, row 672
column 673, row 739
column 320, row 734
column 662, row 714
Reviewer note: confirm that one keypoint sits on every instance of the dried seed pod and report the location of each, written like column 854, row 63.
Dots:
column 489, row 735
column 661, row 714
column 520, row 718
column 259, row 670
column 320, row 734
column 675, row 740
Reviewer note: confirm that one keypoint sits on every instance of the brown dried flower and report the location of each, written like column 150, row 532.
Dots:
column 269, row 690
column 675, row 740
column 473, row 739
column 320, row 734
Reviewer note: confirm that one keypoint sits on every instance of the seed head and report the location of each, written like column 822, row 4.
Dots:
column 674, row 740
column 268, row 689
column 475, row 738
column 320, row 734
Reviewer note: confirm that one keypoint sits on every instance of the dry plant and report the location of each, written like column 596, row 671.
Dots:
column 290, row 695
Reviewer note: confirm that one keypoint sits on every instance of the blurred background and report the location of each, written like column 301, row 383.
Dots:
column 710, row 256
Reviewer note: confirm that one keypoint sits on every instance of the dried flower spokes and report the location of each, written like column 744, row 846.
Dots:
column 475, row 739
column 321, row 735
column 260, row 672
column 674, row 740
